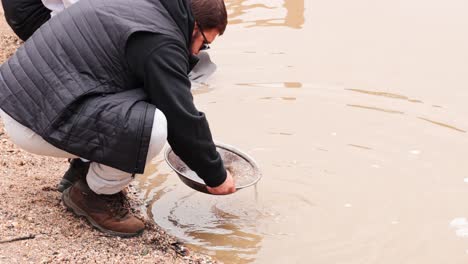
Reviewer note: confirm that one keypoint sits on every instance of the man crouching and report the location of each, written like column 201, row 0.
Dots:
column 105, row 83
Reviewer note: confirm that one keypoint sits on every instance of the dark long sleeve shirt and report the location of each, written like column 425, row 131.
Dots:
column 25, row 16
column 161, row 63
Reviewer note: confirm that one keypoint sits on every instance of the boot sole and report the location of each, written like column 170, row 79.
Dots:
column 79, row 212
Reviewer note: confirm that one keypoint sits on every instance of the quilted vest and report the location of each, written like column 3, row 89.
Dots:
column 70, row 82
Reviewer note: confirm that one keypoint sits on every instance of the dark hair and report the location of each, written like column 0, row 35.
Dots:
column 210, row 14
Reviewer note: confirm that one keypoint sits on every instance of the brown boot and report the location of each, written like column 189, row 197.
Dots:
column 107, row 213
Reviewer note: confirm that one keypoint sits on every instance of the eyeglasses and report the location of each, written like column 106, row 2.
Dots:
column 206, row 43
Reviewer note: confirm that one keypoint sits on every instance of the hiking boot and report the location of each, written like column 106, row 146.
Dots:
column 108, row 213
column 77, row 170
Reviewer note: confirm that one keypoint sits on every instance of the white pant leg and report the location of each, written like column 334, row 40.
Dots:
column 103, row 179
column 28, row 140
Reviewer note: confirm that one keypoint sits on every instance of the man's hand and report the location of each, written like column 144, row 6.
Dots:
column 227, row 187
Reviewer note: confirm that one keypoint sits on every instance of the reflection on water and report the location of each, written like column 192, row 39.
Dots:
column 359, row 146
column 226, row 236
column 286, row 98
column 460, row 225
column 220, row 230
column 396, row 96
column 384, row 94
column 292, row 85
column 376, row 109
column 281, row 133
column 290, row 14
column 223, row 228
column 442, row 124
column 150, row 183
column 201, row 88
column 274, row 84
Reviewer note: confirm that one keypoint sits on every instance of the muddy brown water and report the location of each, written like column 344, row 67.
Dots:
column 356, row 112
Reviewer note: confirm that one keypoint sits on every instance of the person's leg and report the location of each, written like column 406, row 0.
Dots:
column 103, row 179
column 99, row 197
column 28, row 140
column 31, row 142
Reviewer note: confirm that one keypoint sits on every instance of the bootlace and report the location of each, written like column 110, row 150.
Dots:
column 118, row 204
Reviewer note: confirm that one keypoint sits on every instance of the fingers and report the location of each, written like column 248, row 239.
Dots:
column 227, row 187
column 224, row 191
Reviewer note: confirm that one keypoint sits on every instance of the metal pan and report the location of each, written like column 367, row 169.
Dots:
column 193, row 181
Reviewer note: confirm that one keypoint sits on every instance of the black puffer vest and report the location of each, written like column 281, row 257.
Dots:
column 71, row 85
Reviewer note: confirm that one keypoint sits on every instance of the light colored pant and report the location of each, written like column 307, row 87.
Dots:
column 101, row 179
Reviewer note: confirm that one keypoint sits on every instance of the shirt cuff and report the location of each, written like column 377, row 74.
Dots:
column 217, row 175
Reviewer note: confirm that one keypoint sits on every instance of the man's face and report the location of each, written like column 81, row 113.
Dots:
column 198, row 40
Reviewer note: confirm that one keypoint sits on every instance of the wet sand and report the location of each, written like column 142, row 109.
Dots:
column 356, row 114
